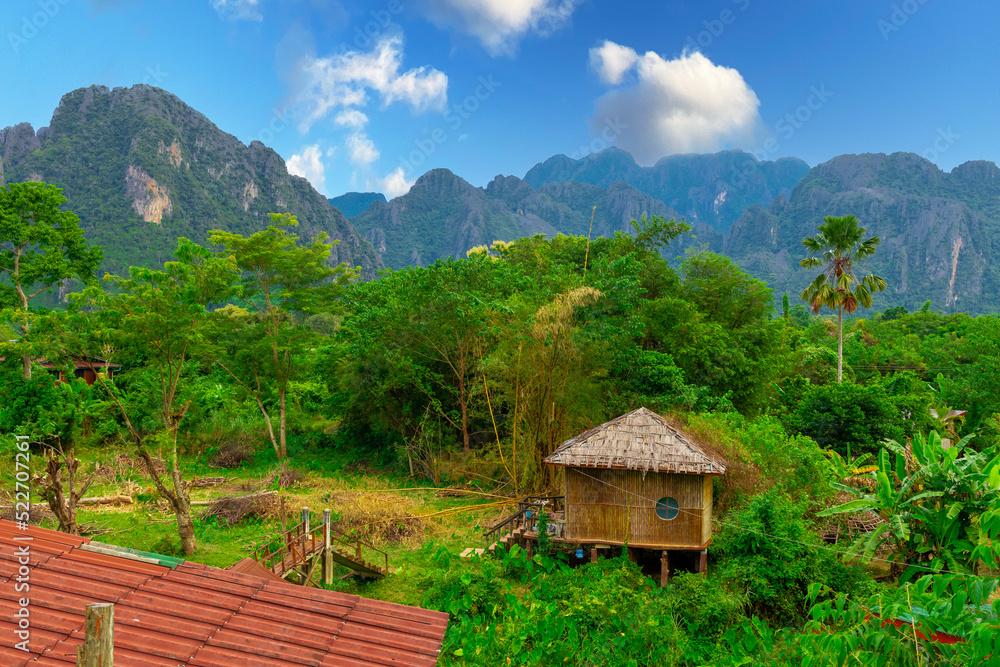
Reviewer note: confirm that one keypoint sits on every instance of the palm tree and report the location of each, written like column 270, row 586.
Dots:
column 836, row 247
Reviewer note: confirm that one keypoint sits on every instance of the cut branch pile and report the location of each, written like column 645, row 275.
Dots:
column 232, row 510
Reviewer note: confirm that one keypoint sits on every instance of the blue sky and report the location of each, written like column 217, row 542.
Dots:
column 369, row 95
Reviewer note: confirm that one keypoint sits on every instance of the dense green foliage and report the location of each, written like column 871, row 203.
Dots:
column 472, row 371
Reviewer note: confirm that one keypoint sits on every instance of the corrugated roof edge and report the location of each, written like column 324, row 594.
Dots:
column 132, row 554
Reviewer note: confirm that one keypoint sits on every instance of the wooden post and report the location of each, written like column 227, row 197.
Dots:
column 528, row 547
column 703, row 562
column 632, row 555
column 305, row 534
column 664, row 568
column 593, row 554
column 98, row 648
column 327, row 553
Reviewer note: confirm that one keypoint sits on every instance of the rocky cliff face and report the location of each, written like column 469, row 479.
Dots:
column 713, row 189
column 445, row 216
column 141, row 168
column 939, row 230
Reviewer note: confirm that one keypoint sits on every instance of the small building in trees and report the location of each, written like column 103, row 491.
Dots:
column 85, row 368
column 636, row 480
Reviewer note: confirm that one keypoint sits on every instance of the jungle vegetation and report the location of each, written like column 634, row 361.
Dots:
column 471, row 371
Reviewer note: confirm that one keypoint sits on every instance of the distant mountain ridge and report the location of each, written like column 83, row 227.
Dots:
column 713, row 188
column 444, row 216
column 356, row 203
column 140, row 168
column 940, row 231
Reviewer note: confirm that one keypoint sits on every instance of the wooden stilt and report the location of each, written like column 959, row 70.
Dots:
column 593, row 555
column 703, row 562
column 664, row 568
column 633, row 555
column 529, row 548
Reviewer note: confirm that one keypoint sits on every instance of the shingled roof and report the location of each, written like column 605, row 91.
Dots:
column 640, row 440
column 170, row 613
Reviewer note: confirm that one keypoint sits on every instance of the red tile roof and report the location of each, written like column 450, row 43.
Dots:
column 197, row 615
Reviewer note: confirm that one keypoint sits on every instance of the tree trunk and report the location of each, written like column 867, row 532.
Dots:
column 270, row 426
column 25, row 359
column 182, row 504
column 283, row 447
column 465, row 414
column 185, row 526
column 840, row 344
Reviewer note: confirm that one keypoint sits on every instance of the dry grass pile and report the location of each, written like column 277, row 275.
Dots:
column 125, row 467
column 37, row 514
column 234, row 453
column 377, row 517
column 233, row 510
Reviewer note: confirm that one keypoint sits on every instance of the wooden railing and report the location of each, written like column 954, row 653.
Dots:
column 290, row 549
column 526, row 514
column 297, row 545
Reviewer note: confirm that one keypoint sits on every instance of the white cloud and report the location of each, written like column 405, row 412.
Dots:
column 351, row 118
column 362, row 149
column 500, row 24
column 611, row 61
column 394, row 185
column 342, row 81
column 238, row 10
column 309, row 165
column 684, row 105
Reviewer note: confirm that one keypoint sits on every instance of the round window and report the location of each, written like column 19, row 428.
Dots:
column 667, row 508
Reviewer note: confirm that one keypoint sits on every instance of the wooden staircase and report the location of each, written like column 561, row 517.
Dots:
column 301, row 548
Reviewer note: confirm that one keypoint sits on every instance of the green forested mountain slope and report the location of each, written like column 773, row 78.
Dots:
column 141, row 168
column 444, row 216
column 940, row 231
column 355, row 203
column 712, row 188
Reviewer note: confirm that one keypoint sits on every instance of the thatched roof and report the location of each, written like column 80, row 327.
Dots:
column 640, row 440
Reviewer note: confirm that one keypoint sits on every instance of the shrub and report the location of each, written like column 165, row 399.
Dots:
column 767, row 551
column 848, row 418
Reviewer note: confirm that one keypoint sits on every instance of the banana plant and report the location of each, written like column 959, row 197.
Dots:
column 937, row 507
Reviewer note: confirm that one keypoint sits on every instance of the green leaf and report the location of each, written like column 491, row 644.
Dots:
column 860, row 505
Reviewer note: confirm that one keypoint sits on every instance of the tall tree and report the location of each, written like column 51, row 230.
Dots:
column 836, row 248
column 161, row 318
column 282, row 284
column 416, row 338
column 40, row 246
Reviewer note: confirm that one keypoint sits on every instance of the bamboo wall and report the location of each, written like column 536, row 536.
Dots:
column 599, row 511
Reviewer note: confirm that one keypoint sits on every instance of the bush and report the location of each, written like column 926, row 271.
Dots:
column 767, row 551
column 760, row 455
column 848, row 418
